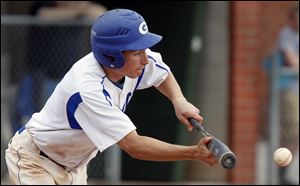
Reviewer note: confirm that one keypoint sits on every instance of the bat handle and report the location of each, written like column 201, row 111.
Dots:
column 198, row 126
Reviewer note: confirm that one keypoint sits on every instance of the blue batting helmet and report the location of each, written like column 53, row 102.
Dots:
column 119, row 30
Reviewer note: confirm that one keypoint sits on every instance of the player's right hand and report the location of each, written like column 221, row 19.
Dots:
column 185, row 110
column 203, row 153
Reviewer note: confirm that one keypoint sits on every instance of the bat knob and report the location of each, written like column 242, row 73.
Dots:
column 228, row 160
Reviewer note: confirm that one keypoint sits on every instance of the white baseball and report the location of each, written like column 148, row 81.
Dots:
column 282, row 156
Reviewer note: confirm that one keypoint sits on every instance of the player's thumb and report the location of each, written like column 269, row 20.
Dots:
column 205, row 140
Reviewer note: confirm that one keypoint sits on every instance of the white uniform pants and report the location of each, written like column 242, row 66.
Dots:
column 26, row 165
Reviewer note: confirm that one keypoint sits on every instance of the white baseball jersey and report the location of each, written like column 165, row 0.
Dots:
column 85, row 113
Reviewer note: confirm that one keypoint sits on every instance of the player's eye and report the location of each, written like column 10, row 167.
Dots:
column 137, row 53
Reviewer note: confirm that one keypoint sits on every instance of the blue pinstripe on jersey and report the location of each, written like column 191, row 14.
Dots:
column 106, row 94
column 127, row 100
column 159, row 66
column 139, row 79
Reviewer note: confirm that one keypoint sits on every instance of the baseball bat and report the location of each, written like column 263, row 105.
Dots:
column 221, row 151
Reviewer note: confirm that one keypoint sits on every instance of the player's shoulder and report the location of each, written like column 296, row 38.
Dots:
column 88, row 65
column 90, row 72
column 155, row 56
column 87, row 59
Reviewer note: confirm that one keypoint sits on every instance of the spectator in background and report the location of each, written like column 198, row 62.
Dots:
column 289, row 48
column 52, row 50
column 289, row 39
column 67, row 9
column 57, row 60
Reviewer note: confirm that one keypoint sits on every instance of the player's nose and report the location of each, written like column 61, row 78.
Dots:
column 144, row 59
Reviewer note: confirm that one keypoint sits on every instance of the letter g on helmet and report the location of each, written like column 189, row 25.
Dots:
column 119, row 30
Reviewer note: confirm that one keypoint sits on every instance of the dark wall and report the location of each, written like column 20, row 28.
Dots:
column 150, row 111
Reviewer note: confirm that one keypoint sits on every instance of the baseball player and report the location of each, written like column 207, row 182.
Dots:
column 85, row 113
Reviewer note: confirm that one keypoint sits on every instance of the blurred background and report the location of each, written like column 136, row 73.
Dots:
column 231, row 59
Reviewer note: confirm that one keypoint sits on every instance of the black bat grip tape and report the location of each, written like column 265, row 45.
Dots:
column 225, row 156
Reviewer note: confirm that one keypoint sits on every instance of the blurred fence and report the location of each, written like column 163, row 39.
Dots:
column 35, row 55
column 283, row 119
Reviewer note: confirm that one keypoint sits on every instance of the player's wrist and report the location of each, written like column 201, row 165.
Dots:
column 195, row 153
column 187, row 153
column 177, row 99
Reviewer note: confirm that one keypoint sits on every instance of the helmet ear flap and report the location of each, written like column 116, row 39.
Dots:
column 112, row 59
column 109, row 57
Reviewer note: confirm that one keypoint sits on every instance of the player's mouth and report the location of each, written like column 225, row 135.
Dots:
column 141, row 68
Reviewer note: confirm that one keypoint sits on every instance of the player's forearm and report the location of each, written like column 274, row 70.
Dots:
column 170, row 88
column 148, row 148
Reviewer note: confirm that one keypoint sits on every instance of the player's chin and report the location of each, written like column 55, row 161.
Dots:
column 139, row 71
column 136, row 74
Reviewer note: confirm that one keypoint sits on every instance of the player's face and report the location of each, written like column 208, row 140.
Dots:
column 135, row 61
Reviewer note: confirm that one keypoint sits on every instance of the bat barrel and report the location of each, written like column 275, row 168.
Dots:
column 222, row 153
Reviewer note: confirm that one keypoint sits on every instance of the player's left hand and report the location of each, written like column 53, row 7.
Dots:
column 203, row 153
column 185, row 110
